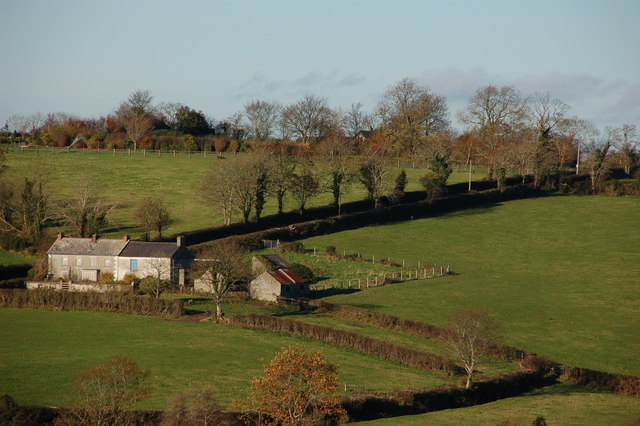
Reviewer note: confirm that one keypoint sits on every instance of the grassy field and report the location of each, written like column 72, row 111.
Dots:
column 41, row 353
column 561, row 274
column 124, row 181
column 11, row 258
column 559, row 405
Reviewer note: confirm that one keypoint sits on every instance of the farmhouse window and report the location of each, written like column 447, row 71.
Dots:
column 107, row 262
column 133, row 264
column 78, row 261
column 94, row 261
column 65, row 261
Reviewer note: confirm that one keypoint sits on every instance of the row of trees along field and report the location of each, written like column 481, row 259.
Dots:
column 306, row 148
column 503, row 129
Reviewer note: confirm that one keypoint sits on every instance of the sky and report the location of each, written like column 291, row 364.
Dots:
column 84, row 57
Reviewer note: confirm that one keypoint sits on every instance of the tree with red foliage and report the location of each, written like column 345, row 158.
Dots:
column 298, row 387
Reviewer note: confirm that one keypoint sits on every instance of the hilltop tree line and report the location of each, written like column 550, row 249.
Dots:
column 306, row 148
column 503, row 129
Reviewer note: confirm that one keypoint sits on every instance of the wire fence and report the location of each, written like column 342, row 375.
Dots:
column 121, row 152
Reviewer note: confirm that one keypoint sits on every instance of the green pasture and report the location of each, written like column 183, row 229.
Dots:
column 41, row 352
column 124, row 180
column 561, row 274
column 559, row 405
column 11, row 258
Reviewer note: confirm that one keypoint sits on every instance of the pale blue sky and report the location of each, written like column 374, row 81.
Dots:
column 84, row 57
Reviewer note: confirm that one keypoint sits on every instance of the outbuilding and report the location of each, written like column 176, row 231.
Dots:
column 270, row 285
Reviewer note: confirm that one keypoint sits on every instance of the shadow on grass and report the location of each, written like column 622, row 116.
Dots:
column 318, row 294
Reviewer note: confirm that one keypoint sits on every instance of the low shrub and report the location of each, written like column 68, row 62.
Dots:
column 106, row 278
column 130, row 278
column 303, row 271
column 291, row 247
column 331, row 250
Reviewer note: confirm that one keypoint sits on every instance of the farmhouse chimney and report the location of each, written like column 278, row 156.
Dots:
column 180, row 241
column 60, row 235
column 126, row 237
column 94, row 238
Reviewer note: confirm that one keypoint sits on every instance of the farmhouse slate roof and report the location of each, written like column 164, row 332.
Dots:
column 153, row 249
column 276, row 260
column 286, row 276
column 87, row 247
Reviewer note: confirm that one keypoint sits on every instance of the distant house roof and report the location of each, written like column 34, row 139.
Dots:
column 87, row 246
column 276, row 260
column 286, row 276
column 153, row 249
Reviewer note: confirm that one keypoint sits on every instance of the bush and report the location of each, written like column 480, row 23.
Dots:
column 130, row 278
column 154, row 286
column 291, row 247
column 304, row 271
column 106, row 278
column 331, row 250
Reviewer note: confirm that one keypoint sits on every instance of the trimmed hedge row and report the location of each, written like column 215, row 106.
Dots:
column 607, row 382
column 105, row 302
column 528, row 360
column 389, row 214
column 402, row 403
column 379, row 348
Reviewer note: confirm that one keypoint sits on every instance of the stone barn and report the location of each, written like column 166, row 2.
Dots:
column 270, row 285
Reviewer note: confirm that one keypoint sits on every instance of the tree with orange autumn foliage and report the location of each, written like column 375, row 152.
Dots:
column 298, row 387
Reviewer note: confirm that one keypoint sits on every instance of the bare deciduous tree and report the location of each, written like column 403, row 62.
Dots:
column 24, row 205
column 135, row 115
column 193, row 406
column 409, row 112
column 628, row 147
column 307, row 118
column 152, row 216
column 106, row 393
column 157, row 269
column 356, row 120
column 546, row 114
column 137, row 126
column 263, row 117
column 496, row 115
column 304, row 186
column 217, row 189
column 221, row 266
column 473, row 332
column 596, row 156
column 338, row 155
column 374, row 175
column 282, row 162
column 85, row 213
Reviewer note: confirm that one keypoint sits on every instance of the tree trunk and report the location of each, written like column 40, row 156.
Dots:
column 468, row 385
column 218, row 311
